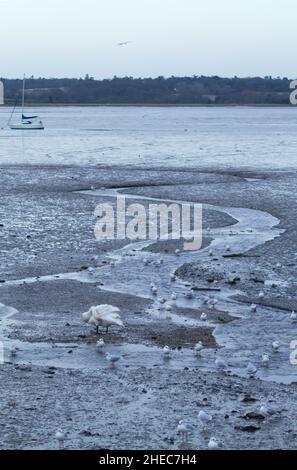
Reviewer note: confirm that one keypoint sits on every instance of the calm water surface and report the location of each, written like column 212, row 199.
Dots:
column 237, row 137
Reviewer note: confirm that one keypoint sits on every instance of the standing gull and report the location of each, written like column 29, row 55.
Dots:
column 204, row 418
column 60, row 436
column 265, row 360
column 113, row 359
column 185, row 428
column 213, row 444
column 198, row 348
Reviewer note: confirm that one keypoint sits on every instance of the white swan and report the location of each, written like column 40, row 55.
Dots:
column 103, row 315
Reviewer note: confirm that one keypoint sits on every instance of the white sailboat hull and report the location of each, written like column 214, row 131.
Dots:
column 27, row 123
column 27, row 126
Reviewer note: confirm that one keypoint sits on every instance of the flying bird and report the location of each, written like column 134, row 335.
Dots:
column 125, row 43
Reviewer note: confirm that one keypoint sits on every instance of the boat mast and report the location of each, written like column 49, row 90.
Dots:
column 23, row 97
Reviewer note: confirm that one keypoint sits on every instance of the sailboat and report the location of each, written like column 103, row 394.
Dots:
column 27, row 122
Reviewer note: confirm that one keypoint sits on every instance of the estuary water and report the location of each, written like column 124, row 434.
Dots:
column 173, row 137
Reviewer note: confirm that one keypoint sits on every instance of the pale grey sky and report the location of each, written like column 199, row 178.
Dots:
column 169, row 37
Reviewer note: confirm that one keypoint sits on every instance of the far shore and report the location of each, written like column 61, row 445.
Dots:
column 150, row 105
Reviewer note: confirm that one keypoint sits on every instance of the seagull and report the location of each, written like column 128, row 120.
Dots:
column 172, row 278
column 173, row 296
column 167, row 352
column 100, row 345
column 220, row 364
column 154, row 290
column 261, row 295
column 204, row 418
column 198, row 348
column 60, row 436
column 205, row 300
column 203, row 317
column 103, row 315
column 185, row 428
column 125, row 43
column 112, row 359
column 253, row 308
column 213, row 444
column 278, row 266
column 177, row 252
column 266, row 411
column 189, row 295
column 168, row 308
column 275, row 346
column 294, row 317
column 13, row 352
column 265, row 360
column 228, row 248
column 251, row 369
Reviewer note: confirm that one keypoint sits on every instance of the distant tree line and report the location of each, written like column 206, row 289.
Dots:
column 155, row 91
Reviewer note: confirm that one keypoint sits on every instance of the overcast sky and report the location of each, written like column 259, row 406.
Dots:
column 169, row 37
